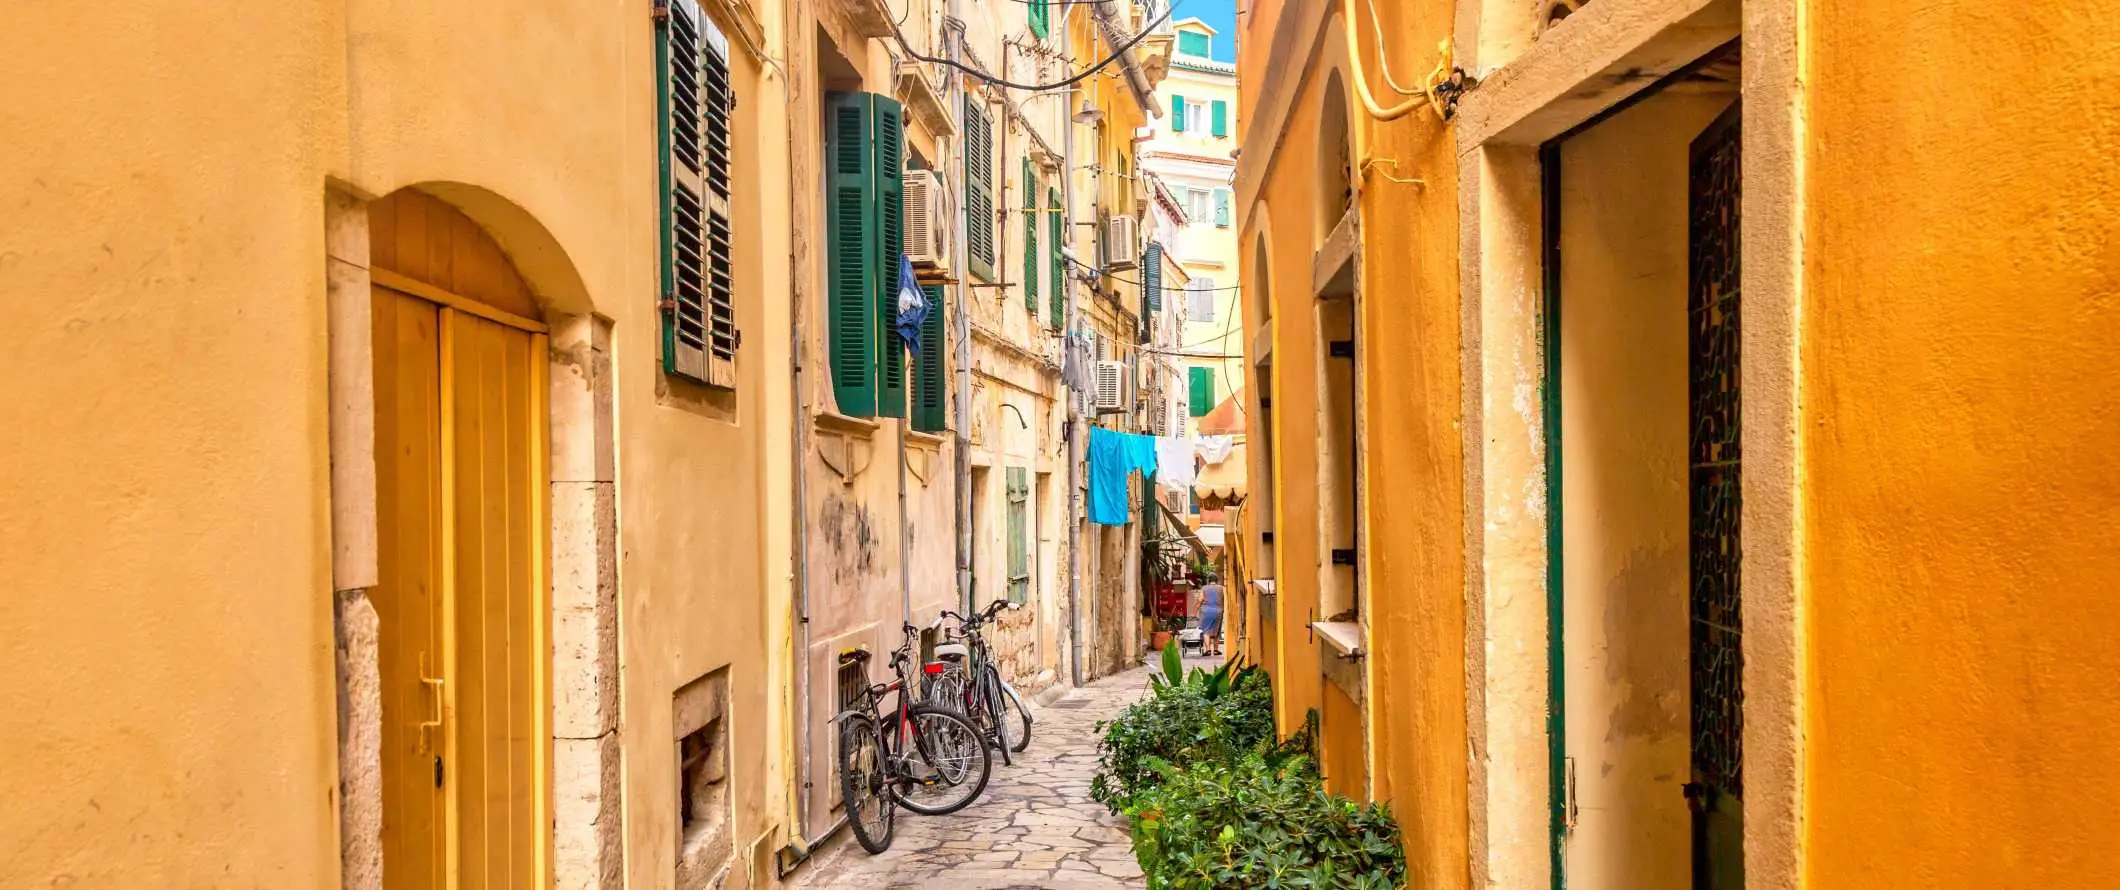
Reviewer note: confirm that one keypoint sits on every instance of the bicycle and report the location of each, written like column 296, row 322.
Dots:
column 964, row 675
column 923, row 757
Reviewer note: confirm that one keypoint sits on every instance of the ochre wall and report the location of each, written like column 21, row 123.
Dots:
column 166, row 668
column 1624, row 494
column 1960, row 315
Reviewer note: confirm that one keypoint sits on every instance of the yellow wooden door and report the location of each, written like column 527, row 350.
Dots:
column 460, row 455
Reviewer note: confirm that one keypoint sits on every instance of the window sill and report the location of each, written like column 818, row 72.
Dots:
column 858, row 427
column 1344, row 637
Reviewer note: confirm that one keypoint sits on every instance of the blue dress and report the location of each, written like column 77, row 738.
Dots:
column 1211, row 609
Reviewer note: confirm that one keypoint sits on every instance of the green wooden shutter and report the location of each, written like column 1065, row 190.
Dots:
column 1220, row 117
column 1222, row 208
column 1030, row 239
column 888, row 143
column 1152, row 277
column 1194, row 43
column 1019, row 562
column 1058, row 216
column 978, row 188
column 1202, row 396
column 1041, row 18
column 851, row 249
column 696, row 106
column 931, row 388
column 1177, row 113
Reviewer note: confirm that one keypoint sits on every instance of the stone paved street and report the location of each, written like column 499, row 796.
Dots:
column 1035, row 826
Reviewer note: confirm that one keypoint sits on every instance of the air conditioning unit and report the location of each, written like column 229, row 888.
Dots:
column 1122, row 247
column 1111, row 386
column 927, row 221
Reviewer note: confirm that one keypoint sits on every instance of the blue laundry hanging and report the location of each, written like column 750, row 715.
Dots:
column 1113, row 458
column 913, row 306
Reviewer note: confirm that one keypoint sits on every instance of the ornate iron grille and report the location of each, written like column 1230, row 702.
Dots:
column 1717, row 624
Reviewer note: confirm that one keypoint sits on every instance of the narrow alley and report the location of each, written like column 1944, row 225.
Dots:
column 1034, row 827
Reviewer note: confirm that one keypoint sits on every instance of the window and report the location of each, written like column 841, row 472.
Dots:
column 1196, row 205
column 1030, row 238
column 1200, row 300
column 1202, row 397
column 1193, row 43
column 1057, row 216
column 697, row 103
column 1195, row 110
column 699, row 713
column 1019, row 558
column 865, row 207
column 979, row 188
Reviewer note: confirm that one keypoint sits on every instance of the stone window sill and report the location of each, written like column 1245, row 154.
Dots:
column 1344, row 637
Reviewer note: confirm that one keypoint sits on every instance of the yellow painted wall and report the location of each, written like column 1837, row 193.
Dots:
column 169, row 654
column 1961, row 311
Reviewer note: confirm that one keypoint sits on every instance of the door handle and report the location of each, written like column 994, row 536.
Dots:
column 435, row 684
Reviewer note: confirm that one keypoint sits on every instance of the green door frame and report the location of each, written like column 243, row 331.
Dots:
column 1549, row 156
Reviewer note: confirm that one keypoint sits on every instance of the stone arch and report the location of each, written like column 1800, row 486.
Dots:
column 535, row 251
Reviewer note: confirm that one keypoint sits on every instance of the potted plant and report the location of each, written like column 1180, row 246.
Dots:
column 1166, row 627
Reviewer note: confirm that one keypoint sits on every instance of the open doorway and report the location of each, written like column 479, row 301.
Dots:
column 1641, row 329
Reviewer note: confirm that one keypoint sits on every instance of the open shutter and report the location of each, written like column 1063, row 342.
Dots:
column 1041, row 18
column 931, row 387
column 1030, row 239
column 978, row 188
column 1202, row 396
column 1058, row 216
column 1177, row 113
column 1019, row 562
column 851, row 235
column 1152, row 277
column 698, row 276
column 887, row 129
column 1219, row 111
column 1222, row 208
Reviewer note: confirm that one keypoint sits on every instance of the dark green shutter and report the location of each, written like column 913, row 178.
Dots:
column 1058, row 215
column 851, row 248
column 1177, row 113
column 1041, row 18
column 1222, row 208
column 697, row 103
column 931, row 388
column 1019, row 562
column 888, row 134
column 1220, row 113
column 1030, row 239
column 1203, row 390
column 1152, row 277
column 978, row 188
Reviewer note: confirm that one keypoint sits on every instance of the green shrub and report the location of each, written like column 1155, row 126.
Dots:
column 1246, row 824
column 1217, row 801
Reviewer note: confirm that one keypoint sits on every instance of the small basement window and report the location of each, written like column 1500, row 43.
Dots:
column 704, row 847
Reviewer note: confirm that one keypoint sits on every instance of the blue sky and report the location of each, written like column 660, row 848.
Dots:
column 1220, row 15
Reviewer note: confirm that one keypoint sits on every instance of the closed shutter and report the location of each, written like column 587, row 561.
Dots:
column 1177, row 114
column 1220, row 113
column 1222, row 208
column 978, row 188
column 697, row 106
column 1041, row 18
column 931, row 388
column 1152, row 277
column 1058, row 216
column 1030, row 240
column 888, row 164
column 1019, row 561
column 1202, row 396
column 851, row 248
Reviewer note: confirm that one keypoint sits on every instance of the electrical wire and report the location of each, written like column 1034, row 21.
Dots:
column 1383, row 60
column 899, row 34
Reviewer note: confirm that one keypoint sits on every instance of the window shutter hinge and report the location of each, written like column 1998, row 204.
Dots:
column 666, row 305
column 736, row 339
column 662, row 11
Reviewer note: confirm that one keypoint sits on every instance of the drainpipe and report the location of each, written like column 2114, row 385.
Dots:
column 960, row 259
column 1075, row 433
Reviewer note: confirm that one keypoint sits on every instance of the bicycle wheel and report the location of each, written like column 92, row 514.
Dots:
column 862, row 780
column 994, row 705
column 947, row 764
column 1017, row 717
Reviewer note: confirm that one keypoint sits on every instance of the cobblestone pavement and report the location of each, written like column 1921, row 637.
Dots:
column 1035, row 826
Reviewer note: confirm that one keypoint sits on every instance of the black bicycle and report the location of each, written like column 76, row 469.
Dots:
column 925, row 758
column 963, row 676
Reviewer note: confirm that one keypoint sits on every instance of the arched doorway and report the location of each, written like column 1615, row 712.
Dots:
column 460, row 359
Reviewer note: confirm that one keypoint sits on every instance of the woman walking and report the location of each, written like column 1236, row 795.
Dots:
column 1211, row 616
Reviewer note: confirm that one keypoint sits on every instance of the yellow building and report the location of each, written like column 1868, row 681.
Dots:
column 1613, row 561
column 393, row 416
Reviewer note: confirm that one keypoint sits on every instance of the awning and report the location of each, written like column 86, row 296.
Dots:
column 1223, row 481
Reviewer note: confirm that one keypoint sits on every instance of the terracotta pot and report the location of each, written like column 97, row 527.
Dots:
column 1158, row 640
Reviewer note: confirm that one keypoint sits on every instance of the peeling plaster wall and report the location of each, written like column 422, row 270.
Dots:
column 1962, row 306
column 1624, row 373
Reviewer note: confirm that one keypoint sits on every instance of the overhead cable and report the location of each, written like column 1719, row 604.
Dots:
column 899, row 35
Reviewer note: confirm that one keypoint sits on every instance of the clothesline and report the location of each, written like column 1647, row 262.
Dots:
column 1115, row 456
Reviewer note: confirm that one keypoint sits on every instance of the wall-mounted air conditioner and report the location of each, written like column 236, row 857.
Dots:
column 1122, row 246
column 927, row 221
column 1111, row 386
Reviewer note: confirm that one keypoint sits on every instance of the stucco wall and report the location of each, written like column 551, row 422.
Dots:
column 1624, row 494
column 1958, row 328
